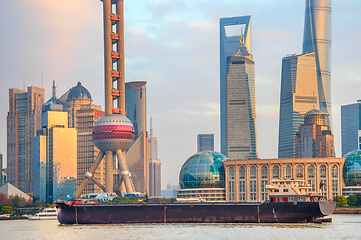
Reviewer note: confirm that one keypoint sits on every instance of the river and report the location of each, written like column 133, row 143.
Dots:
column 342, row 227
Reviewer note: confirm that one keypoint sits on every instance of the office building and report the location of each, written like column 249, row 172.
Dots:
column 314, row 139
column 205, row 142
column 82, row 114
column 155, row 165
column 246, row 180
column 317, row 39
column 237, row 90
column 299, row 94
column 350, row 126
column 54, row 158
column 137, row 156
column 23, row 120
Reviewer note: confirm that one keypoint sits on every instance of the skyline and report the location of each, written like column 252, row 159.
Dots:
column 172, row 45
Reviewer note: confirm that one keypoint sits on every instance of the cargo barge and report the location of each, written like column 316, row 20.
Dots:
column 290, row 202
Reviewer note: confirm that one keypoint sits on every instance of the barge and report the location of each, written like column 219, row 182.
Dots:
column 290, row 202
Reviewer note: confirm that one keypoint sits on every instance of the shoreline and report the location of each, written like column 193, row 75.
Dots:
column 347, row 210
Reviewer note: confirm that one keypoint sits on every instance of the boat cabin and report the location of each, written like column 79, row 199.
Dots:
column 291, row 190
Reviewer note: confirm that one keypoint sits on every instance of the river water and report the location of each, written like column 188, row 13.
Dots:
column 342, row 227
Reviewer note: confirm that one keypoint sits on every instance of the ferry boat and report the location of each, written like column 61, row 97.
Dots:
column 291, row 201
column 46, row 214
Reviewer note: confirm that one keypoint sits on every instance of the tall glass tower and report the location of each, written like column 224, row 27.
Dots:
column 350, row 126
column 317, row 39
column 299, row 94
column 237, row 80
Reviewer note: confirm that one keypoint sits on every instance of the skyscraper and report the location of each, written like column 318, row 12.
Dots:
column 299, row 94
column 54, row 158
column 317, row 39
column 350, row 125
column 155, row 165
column 314, row 139
column 137, row 156
column 237, row 85
column 22, row 122
column 82, row 114
column 205, row 142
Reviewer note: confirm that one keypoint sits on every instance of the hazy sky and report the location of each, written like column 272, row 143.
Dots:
column 174, row 46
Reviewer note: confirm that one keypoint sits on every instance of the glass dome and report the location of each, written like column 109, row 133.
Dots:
column 352, row 168
column 203, row 170
column 79, row 92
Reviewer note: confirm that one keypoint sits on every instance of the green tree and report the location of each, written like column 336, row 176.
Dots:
column 6, row 209
column 15, row 200
column 341, row 201
column 358, row 197
column 352, row 200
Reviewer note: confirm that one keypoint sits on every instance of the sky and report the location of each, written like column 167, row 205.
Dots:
column 174, row 46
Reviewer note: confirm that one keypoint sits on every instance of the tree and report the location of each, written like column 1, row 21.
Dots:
column 352, row 200
column 358, row 197
column 341, row 201
column 6, row 209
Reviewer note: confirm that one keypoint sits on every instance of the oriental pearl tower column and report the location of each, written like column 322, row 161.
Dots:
column 112, row 133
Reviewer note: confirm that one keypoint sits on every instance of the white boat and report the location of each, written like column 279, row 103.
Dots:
column 46, row 214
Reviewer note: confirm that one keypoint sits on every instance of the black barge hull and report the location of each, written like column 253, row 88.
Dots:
column 193, row 213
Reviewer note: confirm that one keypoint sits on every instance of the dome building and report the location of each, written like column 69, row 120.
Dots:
column 314, row 139
column 202, row 176
column 82, row 114
column 352, row 173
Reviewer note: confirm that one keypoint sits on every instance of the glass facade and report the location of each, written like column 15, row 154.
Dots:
column 299, row 94
column 23, row 121
column 237, row 90
column 352, row 168
column 205, row 142
column 350, row 124
column 203, row 170
column 317, row 39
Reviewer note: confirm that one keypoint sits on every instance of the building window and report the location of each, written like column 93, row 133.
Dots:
column 299, row 171
column 264, row 172
column 253, row 172
column 311, row 177
column 288, row 172
column 231, row 183
column 334, row 188
column 323, row 183
column 231, row 173
column 276, row 172
column 253, row 190
column 334, row 171
column 253, row 183
column 242, row 190
column 242, row 173
column 242, row 184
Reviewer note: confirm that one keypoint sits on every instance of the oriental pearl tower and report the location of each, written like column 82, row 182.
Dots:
column 112, row 133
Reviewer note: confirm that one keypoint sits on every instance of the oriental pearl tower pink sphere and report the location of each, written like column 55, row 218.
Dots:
column 113, row 132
